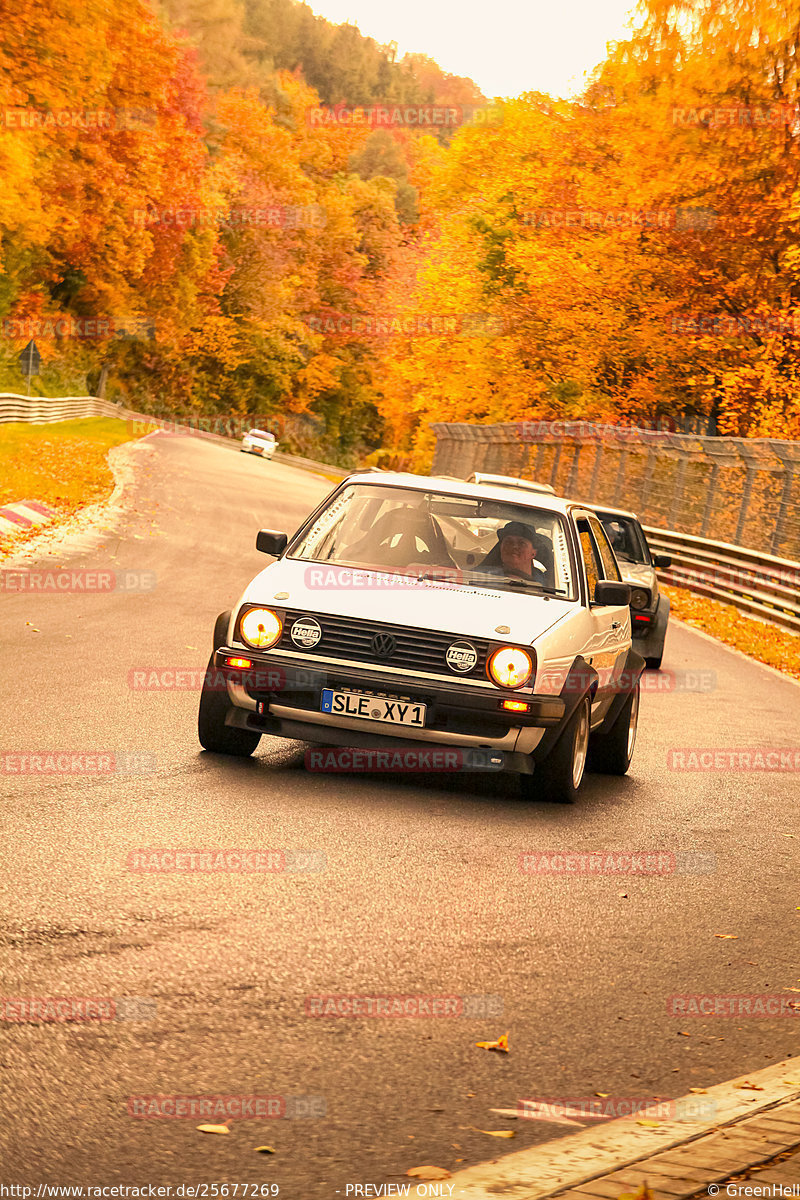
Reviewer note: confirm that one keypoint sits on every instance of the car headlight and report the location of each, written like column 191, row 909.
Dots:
column 639, row 598
column 510, row 667
column 260, row 628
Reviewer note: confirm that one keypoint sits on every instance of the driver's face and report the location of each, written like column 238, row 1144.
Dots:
column 518, row 552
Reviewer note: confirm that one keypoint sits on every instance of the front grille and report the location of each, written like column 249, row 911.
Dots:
column 350, row 639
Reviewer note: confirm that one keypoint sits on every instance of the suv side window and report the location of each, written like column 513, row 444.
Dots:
column 610, row 568
column 591, row 558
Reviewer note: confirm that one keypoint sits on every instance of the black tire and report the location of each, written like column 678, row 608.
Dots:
column 221, row 629
column 558, row 777
column 611, row 753
column 654, row 664
column 212, row 731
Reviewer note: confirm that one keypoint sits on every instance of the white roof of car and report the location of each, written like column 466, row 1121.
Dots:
column 614, row 512
column 511, row 481
column 447, row 486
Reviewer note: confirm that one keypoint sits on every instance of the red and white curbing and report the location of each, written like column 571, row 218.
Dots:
column 24, row 514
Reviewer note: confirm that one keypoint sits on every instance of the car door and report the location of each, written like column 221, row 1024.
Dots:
column 609, row 624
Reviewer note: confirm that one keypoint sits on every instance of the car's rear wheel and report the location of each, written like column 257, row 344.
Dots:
column 654, row 663
column 559, row 776
column 214, row 734
column 611, row 752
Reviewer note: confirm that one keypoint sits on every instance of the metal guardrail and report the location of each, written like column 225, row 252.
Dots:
column 44, row 410
column 757, row 584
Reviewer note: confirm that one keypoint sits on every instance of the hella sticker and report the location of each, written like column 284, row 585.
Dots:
column 462, row 657
column 306, row 632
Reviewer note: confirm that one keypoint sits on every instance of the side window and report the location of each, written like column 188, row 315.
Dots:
column 591, row 559
column 610, row 568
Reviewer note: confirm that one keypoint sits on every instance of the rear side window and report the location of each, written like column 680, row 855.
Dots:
column 610, row 568
column 591, row 558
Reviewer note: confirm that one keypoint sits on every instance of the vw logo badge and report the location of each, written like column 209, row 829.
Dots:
column 462, row 657
column 306, row 632
column 384, row 645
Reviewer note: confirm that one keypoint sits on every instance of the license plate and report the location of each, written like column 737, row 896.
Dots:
column 258, row 449
column 373, row 708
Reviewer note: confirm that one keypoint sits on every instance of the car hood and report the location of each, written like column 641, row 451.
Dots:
column 383, row 598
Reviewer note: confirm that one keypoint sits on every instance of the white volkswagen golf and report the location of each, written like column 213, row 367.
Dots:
column 409, row 609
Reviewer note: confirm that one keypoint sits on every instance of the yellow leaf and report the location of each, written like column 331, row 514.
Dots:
column 500, row 1044
column 699, row 1091
column 265, row 1149
column 650, row 1124
column 428, row 1173
column 496, row 1132
column 734, row 937
column 213, row 1128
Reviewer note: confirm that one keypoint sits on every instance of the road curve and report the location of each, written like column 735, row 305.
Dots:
column 422, row 892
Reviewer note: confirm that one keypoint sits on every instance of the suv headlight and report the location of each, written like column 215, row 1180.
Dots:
column 510, row 667
column 260, row 628
column 639, row 598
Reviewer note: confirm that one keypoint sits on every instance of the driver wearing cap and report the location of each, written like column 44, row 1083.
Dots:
column 516, row 551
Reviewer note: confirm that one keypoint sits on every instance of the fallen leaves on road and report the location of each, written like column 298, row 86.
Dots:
column 603, row 1094
column 699, row 1091
column 506, row 1112
column 428, row 1173
column 644, row 1193
column 649, row 1124
column 733, row 937
column 750, row 1087
column 501, row 1044
column 213, row 1128
column 495, row 1132
column 265, row 1150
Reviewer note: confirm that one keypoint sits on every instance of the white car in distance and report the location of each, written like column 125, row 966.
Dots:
column 259, row 441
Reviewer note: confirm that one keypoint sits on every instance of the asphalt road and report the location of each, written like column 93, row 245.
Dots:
column 422, row 893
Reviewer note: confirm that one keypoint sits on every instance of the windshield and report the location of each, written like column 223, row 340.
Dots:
column 625, row 536
column 466, row 540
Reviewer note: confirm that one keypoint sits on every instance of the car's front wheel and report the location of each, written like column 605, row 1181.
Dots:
column 559, row 776
column 611, row 753
column 214, row 734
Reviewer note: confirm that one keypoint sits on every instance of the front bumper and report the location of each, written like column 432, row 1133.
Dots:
column 281, row 694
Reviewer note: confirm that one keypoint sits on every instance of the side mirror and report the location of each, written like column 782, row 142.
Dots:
column 662, row 560
column 270, row 541
column 609, row 591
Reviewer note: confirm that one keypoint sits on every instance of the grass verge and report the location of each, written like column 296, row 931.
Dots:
column 769, row 644
column 63, row 465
